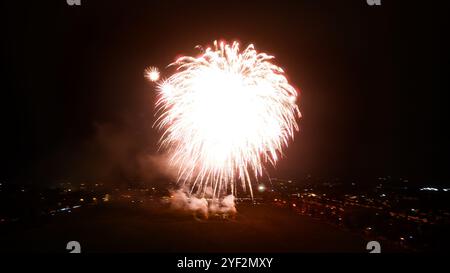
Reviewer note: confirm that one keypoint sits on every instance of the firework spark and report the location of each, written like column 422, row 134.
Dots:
column 152, row 74
column 223, row 116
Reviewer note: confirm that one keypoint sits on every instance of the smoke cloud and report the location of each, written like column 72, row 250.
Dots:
column 201, row 207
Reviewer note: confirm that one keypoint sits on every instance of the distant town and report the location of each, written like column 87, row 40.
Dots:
column 407, row 215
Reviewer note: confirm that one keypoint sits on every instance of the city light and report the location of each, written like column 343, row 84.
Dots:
column 261, row 188
column 429, row 189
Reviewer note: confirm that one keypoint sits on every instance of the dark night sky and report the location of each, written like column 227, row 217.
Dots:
column 75, row 103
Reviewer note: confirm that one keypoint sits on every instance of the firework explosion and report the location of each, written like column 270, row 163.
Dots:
column 223, row 116
column 152, row 74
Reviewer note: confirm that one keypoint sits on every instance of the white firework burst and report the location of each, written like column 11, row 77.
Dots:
column 224, row 115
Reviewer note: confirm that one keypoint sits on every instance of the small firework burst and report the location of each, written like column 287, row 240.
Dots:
column 152, row 73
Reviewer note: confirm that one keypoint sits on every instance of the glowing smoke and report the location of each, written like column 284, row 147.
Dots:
column 200, row 207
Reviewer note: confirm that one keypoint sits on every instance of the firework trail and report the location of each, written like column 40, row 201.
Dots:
column 224, row 115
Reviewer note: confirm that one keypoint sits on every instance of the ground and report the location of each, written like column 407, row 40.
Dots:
column 149, row 228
